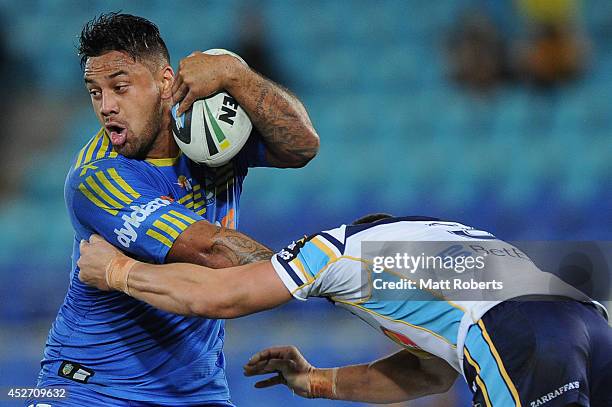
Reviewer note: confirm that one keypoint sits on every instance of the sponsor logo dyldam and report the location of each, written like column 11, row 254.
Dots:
column 128, row 234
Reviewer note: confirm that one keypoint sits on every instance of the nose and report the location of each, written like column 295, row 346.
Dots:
column 109, row 105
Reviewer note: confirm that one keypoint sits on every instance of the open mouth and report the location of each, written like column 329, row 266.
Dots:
column 117, row 133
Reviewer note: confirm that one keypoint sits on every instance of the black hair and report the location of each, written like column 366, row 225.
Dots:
column 115, row 31
column 371, row 217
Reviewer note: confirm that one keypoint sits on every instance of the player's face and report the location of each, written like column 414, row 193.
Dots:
column 127, row 100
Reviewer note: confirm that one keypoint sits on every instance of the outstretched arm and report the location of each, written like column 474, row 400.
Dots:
column 398, row 377
column 282, row 120
column 182, row 288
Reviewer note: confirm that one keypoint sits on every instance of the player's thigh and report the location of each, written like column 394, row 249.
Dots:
column 600, row 334
column 530, row 354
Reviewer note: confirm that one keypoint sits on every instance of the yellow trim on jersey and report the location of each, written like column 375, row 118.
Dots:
column 108, row 148
column 185, row 198
column 86, row 167
column 80, row 158
column 108, row 185
column 196, row 205
column 85, row 156
column 174, row 221
column 479, row 381
column 164, row 162
column 101, row 193
column 201, row 211
column 500, row 364
column 197, row 196
column 196, row 187
column 330, row 262
column 323, row 247
column 95, row 200
column 166, row 228
column 103, row 147
column 396, row 320
column 159, row 237
column 92, row 147
column 115, row 176
column 189, row 205
column 182, row 216
column 300, row 266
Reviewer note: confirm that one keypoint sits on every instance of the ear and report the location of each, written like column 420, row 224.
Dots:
column 167, row 79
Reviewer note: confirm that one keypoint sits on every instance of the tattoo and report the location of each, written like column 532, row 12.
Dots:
column 293, row 146
column 260, row 100
column 237, row 248
column 284, row 125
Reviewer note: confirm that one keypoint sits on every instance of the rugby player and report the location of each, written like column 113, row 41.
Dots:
column 551, row 348
column 131, row 185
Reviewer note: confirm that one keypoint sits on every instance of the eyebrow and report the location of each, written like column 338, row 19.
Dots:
column 118, row 73
column 111, row 76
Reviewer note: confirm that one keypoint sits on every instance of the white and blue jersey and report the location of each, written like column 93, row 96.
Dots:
column 108, row 342
column 331, row 263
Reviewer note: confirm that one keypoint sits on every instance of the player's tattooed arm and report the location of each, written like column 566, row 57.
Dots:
column 216, row 247
column 236, row 248
column 283, row 123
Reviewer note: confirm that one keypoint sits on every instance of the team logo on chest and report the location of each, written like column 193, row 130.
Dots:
column 184, row 182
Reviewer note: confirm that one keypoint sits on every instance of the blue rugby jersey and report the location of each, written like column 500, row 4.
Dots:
column 115, row 344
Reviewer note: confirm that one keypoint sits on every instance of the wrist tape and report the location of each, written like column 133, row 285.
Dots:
column 321, row 385
column 118, row 272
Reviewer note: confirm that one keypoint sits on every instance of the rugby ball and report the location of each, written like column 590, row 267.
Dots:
column 214, row 129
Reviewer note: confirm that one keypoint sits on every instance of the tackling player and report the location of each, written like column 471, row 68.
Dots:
column 547, row 350
column 131, row 185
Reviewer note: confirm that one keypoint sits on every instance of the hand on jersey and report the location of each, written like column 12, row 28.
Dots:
column 200, row 75
column 96, row 256
column 293, row 369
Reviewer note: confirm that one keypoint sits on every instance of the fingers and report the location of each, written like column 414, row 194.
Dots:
column 277, row 352
column 256, row 369
column 80, row 261
column 270, row 366
column 273, row 381
column 180, row 93
column 258, row 356
column 186, row 103
column 198, row 76
column 178, row 81
column 96, row 238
